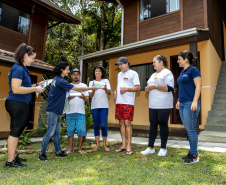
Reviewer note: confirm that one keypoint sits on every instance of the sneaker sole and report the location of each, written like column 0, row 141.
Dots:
column 42, row 160
column 192, row 161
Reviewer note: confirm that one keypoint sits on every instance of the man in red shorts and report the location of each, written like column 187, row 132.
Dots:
column 127, row 85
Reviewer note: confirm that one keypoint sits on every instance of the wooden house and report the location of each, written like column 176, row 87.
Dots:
column 26, row 21
column 166, row 27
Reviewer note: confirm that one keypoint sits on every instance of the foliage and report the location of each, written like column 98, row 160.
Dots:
column 89, row 118
column 64, row 41
column 25, row 139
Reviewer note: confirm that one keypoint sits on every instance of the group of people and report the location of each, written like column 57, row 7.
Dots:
column 160, row 88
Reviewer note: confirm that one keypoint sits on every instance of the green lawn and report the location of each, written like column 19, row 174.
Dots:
column 117, row 168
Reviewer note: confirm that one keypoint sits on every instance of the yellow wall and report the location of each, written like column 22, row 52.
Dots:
column 141, row 101
column 4, row 116
column 210, row 64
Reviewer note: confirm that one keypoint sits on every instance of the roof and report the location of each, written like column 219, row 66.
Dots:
column 38, row 64
column 56, row 13
column 189, row 35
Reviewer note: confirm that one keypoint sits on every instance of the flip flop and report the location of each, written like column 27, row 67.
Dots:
column 68, row 152
column 129, row 152
column 81, row 152
column 120, row 150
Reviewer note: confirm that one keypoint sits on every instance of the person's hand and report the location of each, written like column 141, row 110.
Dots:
column 39, row 89
column 82, row 97
column 94, row 88
column 147, row 90
column 194, row 106
column 105, row 87
column 115, row 94
column 123, row 90
column 177, row 105
column 42, row 82
column 70, row 97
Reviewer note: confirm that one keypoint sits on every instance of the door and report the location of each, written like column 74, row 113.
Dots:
column 175, row 116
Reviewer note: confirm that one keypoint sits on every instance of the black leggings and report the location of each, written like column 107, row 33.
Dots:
column 19, row 113
column 158, row 117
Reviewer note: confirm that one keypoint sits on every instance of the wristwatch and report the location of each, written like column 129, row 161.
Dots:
column 36, row 84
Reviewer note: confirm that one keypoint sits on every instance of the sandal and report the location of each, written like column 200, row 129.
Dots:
column 68, row 152
column 120, row 150
column 81, row 152
column 129, row 152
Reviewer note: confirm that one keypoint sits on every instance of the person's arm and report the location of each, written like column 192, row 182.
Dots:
column 39, row 83
column 178, row 104
column 18, row 89
column 123, row 90
column 91, row 94
column 198, row 86
column 84, row 88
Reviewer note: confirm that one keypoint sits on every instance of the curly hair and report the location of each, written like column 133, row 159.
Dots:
column 21, row 51
column 60, row 65
column 102, row 71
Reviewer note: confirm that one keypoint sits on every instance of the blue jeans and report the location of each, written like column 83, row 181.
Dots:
column 54, row 128
column 189, row 119
column 100, row 117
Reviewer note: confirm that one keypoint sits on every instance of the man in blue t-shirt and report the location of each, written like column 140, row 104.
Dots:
column 55, row 106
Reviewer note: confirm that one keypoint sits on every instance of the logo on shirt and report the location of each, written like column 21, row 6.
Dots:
column 126, row 79
column 53, row 83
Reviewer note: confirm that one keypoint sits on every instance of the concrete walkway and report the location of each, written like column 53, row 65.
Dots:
column 207, row 146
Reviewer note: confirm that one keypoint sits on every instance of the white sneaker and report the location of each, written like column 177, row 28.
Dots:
column 162, row 152
column 148, row 151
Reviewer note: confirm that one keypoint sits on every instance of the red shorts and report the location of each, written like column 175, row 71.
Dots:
column 124, row 112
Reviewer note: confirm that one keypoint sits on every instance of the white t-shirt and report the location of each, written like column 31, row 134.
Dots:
column 127, row 79
column 100, row 98
column 77, row 105
column 159, row 99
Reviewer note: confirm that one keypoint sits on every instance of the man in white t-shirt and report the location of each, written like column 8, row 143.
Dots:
column 76, row 115
column 128, row 84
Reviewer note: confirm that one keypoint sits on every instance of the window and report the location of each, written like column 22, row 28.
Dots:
column 14, row 19
column 144, row 71
column 154, row 8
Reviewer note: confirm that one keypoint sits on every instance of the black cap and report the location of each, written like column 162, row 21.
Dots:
column 75, row 70
column 122, row 60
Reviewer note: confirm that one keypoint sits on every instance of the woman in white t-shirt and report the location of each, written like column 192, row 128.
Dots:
column 99, row 105
column 160, row 87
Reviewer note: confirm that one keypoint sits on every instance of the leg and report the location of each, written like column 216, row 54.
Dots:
column 153, row 118
column 163, row 117
column 128, row 134
column 81, row 130
column 123, row 133
column 56, row 136
column 12, row 145
column 96, row 123
column 103, row 123
column 70, row 122
column 189, row 121
column 52, row 122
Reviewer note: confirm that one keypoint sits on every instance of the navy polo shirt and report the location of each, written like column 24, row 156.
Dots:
column 22, row 73
column 186, row 83
column 57, row 94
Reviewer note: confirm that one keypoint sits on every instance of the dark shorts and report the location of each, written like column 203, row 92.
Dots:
column 124, row 112
column 19, row 114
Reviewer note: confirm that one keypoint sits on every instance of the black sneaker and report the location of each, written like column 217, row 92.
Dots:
column 42, row 157
column 191, row 159
column 19, row 160
column 185, row 157
column 61, row 154
column 14, row 164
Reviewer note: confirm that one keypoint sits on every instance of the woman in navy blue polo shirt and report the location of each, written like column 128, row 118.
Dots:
column 188, row 103
column 17, row 103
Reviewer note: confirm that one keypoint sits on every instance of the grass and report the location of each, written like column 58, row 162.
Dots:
column 116, row 168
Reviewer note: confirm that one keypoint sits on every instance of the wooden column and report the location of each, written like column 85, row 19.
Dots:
column 84, row 72
column 193, row 48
